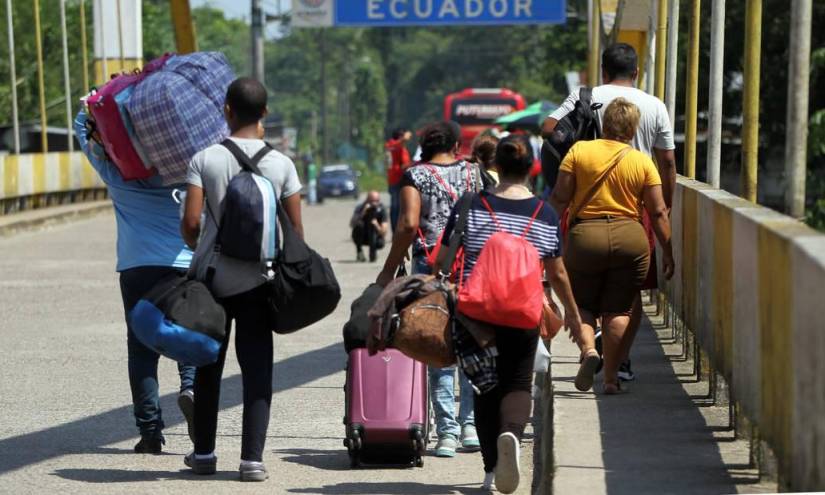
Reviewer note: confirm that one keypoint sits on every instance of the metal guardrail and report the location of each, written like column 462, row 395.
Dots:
column 749, row 287
column 38, row 180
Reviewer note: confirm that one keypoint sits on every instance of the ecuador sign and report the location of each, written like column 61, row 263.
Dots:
column 426, row 12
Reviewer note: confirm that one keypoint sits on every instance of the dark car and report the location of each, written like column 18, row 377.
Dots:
column 337, row 181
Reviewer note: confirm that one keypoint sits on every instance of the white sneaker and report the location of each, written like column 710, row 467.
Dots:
column 507, row 468
column 488, row 482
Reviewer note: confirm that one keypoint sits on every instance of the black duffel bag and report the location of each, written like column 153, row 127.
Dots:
column 303, row 288
column 357, row 327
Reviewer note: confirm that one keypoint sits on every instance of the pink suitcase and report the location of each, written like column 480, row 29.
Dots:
column 387, row 408
column 113, row 132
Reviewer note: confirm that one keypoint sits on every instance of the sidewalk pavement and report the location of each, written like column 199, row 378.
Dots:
column 653, row 439
column 42, row 217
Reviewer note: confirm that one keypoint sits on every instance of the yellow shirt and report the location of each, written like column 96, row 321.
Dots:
column 621, row 193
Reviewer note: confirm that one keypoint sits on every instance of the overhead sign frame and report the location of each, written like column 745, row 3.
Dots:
column 432, row 13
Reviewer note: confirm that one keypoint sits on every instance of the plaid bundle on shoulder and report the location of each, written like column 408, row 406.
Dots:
column 178, row 111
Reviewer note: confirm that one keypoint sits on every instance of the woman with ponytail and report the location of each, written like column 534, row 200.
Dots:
column 429, row 190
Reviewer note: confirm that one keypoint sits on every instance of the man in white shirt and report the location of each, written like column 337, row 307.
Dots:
column 620, row 69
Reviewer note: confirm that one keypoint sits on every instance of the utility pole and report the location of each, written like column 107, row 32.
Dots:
column 717, row 72
column 796, row 144
column 750, row 99
column 672, row 59
column 38, row 43
column 66, row 85
column 13, row 74
column 257, row 32
column 84, row 46
column 322, row 43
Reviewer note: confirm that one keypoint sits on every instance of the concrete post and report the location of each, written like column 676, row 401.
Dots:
column 692, row 89
column 796, row 144
column 13, row 73
column 717, row 71
column 750, row 99
column 672, row 59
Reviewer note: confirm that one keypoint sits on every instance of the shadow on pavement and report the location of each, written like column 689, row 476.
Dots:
column 129, row 476
column 328, row 460
column 654, row 438
column 92, row 433
column 387, row 488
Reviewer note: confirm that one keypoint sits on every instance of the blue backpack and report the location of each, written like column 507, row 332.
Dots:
column 249, row 224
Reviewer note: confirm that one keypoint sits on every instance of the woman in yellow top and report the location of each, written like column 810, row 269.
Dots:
column 605, row 184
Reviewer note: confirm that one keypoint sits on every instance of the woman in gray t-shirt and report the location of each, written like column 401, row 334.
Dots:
column 429, row 190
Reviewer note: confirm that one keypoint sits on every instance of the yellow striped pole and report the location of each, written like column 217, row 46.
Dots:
column 83, row 46
column 38, row 43
column 692, row 97
column 185, row 39
column 750, row 99
column 661, row 48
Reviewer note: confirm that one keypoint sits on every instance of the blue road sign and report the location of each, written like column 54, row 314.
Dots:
column 448, row 12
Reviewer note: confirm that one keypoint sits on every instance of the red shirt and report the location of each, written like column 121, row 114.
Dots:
column 400, row 161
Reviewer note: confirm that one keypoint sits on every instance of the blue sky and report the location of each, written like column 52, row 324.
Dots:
column 240, row 8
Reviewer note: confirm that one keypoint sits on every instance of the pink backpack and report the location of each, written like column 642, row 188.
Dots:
column 106, row 110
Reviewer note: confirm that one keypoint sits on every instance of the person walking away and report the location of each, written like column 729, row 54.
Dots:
column 654, row 137
column 239, row 285
column 149, row 249
column 604, row 183
column 429, row 190
column 483, row 155
column 398, row 161
column 502, row 413
column 369, row 226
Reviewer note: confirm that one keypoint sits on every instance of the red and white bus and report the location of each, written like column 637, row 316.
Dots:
column 475, row 109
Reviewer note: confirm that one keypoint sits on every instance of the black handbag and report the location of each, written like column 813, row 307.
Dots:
column 303, row 288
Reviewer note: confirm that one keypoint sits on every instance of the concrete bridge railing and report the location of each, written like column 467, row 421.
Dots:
column 43, row 179
column 750, row 285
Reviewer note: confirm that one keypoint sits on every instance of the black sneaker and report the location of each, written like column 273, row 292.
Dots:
column 186, row 403
column 208, row 465
column 625, row 373
column 150, row 444
column 360, row 257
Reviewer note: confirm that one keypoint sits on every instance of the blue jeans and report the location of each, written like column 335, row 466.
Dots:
column 442, row 387
column 142, row 361
column 395, row 204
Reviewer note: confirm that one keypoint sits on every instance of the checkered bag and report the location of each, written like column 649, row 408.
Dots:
column 178, row 111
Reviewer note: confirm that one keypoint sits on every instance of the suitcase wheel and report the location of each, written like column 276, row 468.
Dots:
column 353, row 444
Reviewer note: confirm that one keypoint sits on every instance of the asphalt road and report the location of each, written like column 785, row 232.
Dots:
column 66, row 424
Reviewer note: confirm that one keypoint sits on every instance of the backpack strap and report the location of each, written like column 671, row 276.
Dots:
column 617, row 159
column 247, row 163
column 457, row 237
column 498, row 225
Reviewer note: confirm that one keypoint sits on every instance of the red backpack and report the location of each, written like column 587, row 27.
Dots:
column 505, row 286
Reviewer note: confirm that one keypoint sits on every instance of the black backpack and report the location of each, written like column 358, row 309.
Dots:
column 248, row 228
column 303, row 288
column 579, row 125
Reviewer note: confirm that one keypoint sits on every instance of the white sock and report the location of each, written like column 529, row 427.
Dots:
column 202, row 457
column 488, row 481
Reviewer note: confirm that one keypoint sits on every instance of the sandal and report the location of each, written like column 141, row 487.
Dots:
column 613, row 388
column 584, row 378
